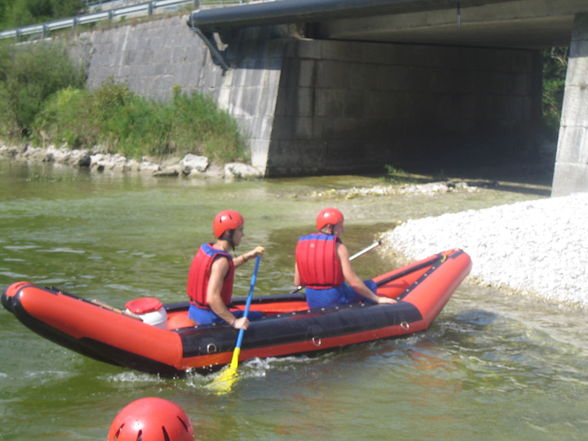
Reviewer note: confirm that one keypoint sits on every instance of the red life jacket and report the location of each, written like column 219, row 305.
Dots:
column 200, row 273
column 319, row 266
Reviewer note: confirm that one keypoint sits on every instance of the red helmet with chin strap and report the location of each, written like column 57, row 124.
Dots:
column 226, row 220
column 151, row 419
column 328, row 216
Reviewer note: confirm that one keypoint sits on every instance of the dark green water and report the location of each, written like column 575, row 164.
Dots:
column 492, row 367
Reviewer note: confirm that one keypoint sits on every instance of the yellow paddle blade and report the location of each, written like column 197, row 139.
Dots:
column 224, row 382
column 227, row 378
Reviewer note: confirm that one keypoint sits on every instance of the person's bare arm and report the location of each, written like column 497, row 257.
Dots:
column 245, row 257
column 353, row 279
column 296, row 276
column 218, row 272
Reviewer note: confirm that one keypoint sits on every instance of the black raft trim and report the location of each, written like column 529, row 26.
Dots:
column 298, row 327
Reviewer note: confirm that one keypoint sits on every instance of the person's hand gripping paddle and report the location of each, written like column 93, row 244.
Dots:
column 225, row 380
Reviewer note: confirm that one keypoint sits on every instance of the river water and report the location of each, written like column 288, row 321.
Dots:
column 493, row 366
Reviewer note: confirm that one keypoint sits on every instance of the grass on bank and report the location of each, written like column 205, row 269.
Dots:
column 124, row 122
column 43, row 101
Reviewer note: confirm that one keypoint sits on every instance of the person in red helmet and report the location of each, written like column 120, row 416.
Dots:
column 151, row 419
column 210, row 279
column 324, row 268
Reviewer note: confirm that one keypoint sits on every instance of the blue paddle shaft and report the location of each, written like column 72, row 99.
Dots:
column 249, row 297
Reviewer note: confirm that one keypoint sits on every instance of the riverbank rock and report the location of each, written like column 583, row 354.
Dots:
column 99, row 160
column 539, row 247
column 193, row 164
column 238, row 170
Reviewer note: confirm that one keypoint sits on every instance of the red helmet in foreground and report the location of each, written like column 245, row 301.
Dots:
column 151, row 419
column 328, row 216
column 226, row 220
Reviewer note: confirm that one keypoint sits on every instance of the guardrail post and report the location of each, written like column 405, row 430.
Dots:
column 45, row 30
column 150, row 8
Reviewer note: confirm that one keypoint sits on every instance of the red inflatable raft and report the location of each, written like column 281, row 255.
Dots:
column 175, row 345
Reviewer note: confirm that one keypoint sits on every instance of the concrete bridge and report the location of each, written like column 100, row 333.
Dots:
column 336, row 86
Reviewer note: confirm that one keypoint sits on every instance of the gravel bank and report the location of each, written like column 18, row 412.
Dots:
column 537, row 248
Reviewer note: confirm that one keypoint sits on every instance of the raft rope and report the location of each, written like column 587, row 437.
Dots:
column 436, row 263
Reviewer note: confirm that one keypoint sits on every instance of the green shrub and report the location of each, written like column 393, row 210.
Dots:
column 126, row 123
column 29, row 75
column 67, row 118
column 14, row 13
column 555, row 62
column 199, row 126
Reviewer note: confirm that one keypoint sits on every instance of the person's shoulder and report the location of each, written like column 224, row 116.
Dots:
column 341, row 248
column 222, row 262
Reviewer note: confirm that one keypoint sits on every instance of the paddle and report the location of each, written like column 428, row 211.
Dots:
column 366, row 249
column 112, row 308
column 224, row 382
column 356, row 255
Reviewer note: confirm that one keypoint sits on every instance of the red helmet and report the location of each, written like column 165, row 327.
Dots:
column 151, row 419
column 328, row 216
column 226, row 220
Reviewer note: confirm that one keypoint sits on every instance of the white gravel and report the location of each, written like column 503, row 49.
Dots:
column 537, row 247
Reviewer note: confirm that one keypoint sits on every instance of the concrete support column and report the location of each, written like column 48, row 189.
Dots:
column 571, row 163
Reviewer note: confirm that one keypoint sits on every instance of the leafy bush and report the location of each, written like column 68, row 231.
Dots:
column 555, row 61
column 199, row 126
column 67, row 119
column 14, row 13
column 29, row 75
column 124, row 122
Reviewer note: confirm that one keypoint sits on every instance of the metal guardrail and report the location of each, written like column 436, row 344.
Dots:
column 148, row 8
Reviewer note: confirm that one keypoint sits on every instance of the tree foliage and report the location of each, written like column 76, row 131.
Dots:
column 15, row 13
column 555, row 63
column 29, row 75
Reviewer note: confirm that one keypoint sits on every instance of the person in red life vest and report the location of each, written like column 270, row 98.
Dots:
column 323, row 267
column 210, row 279
column 151, row 419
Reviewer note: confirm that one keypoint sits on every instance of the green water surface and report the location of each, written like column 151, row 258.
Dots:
column 492, row 367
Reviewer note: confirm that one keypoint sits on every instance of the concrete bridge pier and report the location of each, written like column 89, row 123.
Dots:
column 571, row 163
column 313, row 106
